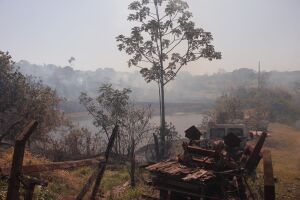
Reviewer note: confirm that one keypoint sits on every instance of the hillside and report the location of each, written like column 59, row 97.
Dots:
column 186, row 87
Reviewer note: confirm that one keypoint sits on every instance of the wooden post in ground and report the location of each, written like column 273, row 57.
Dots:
column 29, row 184
column 255, row 156
column 103, row 166
column 269, row 183
column 17, row 162
column 98, row 173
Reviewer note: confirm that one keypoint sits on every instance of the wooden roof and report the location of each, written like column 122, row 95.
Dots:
column 185, row 173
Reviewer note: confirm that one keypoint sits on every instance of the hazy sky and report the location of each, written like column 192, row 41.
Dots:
column 245, row 31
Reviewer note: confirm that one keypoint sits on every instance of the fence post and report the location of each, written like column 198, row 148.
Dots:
column 17, row 162
column 103, row 167
column 98, row 173
column 269, row 183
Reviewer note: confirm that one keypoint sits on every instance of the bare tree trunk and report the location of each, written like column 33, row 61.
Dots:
column 161, row 86
column 88, row 145
column 132, row 167
column 163, row 120
column 156, row 146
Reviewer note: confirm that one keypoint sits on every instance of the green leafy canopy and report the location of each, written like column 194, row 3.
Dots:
column 165, row 40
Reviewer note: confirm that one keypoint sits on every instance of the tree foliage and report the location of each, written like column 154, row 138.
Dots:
column 165, row 40
column 24, row 98
column 266, row 103
column 113, row 106
column 108, row 108
column 228, row 109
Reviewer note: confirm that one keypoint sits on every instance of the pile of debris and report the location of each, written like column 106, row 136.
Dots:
column 218, row 172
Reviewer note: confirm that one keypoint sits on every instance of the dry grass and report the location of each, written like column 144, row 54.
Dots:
column 284, row 144
column 61, row 183
column 64, row 184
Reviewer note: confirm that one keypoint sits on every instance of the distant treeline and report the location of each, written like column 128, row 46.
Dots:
column 186, row 88
column 171, row 108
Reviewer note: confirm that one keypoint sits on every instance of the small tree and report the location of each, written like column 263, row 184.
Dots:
column 113, row 106
column 107, row 109
column 136, row 132
column 228, row 108
column 164, row 41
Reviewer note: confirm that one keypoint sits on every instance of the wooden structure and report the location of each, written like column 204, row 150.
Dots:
column 217, row 173
column 16, row 173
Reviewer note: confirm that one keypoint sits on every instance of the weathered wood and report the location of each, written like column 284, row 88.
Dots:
column 255, row 157
column 269, row 183
column 17, row 162
column 163, row 194
column 192, row 133
column 29, row 184
column 98, row 173
column 29, row 191
column 88, row 184
column 30, row 169
column 201, row 151
column 103, row 166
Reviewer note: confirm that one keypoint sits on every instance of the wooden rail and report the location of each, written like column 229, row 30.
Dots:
column 17, row 170
column 31, row 169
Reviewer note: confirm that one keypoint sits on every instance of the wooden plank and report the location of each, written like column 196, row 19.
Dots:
column 255, row 157
column 201, row 151
column 103, row 166
column 17, row 162
column 30, row 169
column 269, row 183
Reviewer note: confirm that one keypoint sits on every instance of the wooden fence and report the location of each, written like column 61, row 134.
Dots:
column 17, row 171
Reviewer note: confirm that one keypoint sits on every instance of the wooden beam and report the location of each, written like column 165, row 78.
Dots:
column 201, row 151
column 269, row 183
column 255, row 157
column 30, row 169
column 98, row 173
column 17, row 162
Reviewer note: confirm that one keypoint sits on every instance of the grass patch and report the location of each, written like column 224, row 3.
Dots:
column 131, row 194
column 114, row 178
column 3, row 189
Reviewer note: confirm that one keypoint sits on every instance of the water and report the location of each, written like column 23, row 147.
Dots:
column 182, row 121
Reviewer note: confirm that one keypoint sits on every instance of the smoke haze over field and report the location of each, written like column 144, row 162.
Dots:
column 69, row 83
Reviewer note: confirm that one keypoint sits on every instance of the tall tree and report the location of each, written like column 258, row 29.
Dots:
column 165, row 40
